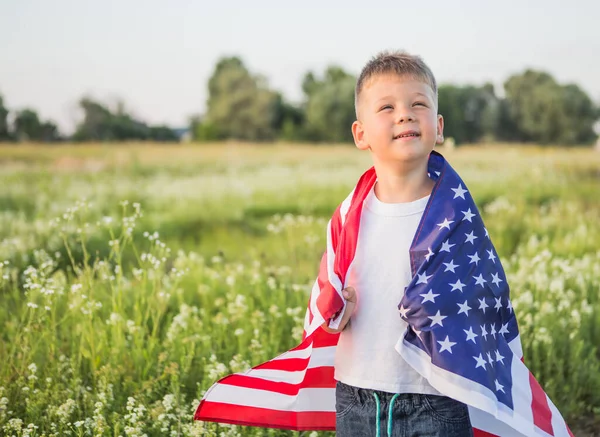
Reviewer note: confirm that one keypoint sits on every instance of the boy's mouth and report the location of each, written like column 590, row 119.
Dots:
column 407, row 134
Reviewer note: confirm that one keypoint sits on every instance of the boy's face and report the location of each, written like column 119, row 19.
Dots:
column 398, row 120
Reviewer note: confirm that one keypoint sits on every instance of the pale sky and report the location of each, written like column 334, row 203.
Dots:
column 158, row 55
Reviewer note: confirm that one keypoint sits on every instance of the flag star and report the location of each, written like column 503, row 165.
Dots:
column 503, row 329
column 493, row 330
column 490, row 359
column 486, row 233
column 445, row 224
column 429, row 296
column 482, row 304
column 423, row 278
column 437, row 173
column 450, row 266
column 474, row 259
column 498, row 305
column 496, row 280
column 499, row 358
column 491, row 255
column 483, row 332
column 480, row 362
column 437, row 319
column 403, row 311
column 470, row 334
column 479, row 280
column 457, row 285
column 428, row 254
column 446, row 246
column 470, row 238
column 464, row 308
column 459, row 192
column 509, row 306
column 468, row 215
column 417, row 332
column 446, row 345
column 499, row 387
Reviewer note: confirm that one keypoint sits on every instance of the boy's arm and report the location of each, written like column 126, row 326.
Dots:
column 350, row 296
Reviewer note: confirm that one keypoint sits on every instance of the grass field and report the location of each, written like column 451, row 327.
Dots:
column 133, row 276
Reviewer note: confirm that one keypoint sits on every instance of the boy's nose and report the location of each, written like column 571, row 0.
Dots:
column 405, row 117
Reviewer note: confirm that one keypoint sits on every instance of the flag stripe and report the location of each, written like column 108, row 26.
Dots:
column 542, row 416
column 319, row 377
column 307, row 399
column 521, row 391
column 264, row 417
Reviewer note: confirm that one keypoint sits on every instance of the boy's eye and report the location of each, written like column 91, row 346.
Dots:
column 419, row 103
column 385, row 107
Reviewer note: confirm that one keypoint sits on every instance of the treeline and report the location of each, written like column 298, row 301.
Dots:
column 535, row 108
column 99, row 123
column 241, row 106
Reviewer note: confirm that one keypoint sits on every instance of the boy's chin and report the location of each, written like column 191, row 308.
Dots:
column 406, row 155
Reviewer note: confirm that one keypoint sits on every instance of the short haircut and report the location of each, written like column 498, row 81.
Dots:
column 398, row 63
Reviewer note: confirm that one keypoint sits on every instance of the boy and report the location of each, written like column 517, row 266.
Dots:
column 397, row 121
column 409, row 323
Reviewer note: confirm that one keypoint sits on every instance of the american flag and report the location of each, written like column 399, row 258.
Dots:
column 462, row 335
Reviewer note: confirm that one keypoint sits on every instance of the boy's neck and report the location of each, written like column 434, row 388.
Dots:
column 400, row 184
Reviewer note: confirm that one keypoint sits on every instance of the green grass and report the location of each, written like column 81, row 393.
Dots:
column 134, row 276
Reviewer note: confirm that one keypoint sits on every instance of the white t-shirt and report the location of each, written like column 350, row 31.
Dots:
column 365, row 355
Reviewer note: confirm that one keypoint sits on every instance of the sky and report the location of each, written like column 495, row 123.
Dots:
column 157, row 56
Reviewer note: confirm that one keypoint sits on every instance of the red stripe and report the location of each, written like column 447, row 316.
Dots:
column 322, row 338
column 287, row 364
column 318, row 377
column 336, row 226
column 481, row 433
column 263, row 417
column 542, row 416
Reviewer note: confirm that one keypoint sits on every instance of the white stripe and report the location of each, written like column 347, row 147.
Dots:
column 488, row 423
column 331, row 275
column 521, row 389
column 515, row 346
column 308, row 399
column 558, row 423
column 301, row 353
column 317, row 317
column 345, row 206
column 320, row 356
column 334, row 280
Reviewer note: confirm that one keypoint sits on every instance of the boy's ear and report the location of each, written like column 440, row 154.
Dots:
column 359, row 135
column 440, row 129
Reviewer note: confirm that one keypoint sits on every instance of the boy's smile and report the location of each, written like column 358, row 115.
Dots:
column 398, row 120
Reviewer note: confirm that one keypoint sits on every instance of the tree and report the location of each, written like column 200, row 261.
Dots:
column 289, row 120
column 101, row 124
column 240, row 105
column 329, row 105
column 470, row 112
column 547, row 112
column 4, row 132
column 27, row 125
column 96, row 121
column 49, row 132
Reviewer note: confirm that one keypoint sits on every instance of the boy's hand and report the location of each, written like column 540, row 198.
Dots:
column 349, row 294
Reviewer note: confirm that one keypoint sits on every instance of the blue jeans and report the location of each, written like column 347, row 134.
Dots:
column 410, row 415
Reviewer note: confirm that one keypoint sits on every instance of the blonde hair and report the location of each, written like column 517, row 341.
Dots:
column 399, row 63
